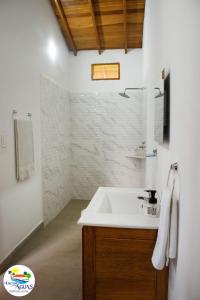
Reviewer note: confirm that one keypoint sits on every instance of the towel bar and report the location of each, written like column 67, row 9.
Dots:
column 15, row 112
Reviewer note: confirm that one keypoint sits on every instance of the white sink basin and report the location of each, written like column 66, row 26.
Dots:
column 120, row 202
column 117, row 207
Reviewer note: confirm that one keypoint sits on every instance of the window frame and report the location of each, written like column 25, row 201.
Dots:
column 100, row 64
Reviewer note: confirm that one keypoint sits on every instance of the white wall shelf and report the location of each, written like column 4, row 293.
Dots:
column 132, row 155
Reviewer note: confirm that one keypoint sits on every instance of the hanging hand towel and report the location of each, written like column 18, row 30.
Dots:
column 24, row 149
column 166, row 244
column 173, row 234
column 159, row 254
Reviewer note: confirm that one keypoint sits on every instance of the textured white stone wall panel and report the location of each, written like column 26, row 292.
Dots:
column 56, row 152
column 105, row 127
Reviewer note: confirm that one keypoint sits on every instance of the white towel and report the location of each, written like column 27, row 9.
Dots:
column 166, row 244
column 173, row 235
column 24, row 149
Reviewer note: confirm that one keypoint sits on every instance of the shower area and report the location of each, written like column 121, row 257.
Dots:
column 97, row 138
column 105, row 130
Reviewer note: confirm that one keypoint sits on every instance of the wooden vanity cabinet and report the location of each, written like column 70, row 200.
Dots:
column 117, row 265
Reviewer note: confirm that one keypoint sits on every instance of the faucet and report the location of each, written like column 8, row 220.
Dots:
column 154, row 154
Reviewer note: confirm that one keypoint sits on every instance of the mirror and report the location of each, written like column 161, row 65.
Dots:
column 162, row 112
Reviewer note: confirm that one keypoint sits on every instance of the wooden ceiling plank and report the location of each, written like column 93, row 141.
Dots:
column 64, row 21
column 95, row 25
column 125, row 26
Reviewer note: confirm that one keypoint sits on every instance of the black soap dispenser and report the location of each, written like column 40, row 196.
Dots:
column 152, row 198
column 152, row 208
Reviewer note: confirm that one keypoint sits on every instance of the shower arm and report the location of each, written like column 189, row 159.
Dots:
column 133, row 89
column 127, row 96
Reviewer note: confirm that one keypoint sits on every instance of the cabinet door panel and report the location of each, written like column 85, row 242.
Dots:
column 124, row 270
column 124, row 259
column 117, row 265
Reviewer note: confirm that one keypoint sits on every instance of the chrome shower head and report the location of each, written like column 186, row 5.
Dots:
column 160, row 94
column 124, row 95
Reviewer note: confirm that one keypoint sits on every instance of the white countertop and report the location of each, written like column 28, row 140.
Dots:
column 105, row 208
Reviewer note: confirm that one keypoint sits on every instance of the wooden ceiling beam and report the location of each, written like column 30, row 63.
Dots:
column 125, row 26
column 65, row 24
column 95, row 25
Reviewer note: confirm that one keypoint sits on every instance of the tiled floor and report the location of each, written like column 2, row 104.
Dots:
column 54, row 255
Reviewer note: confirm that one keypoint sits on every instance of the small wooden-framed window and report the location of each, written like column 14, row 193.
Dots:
column 105, row 71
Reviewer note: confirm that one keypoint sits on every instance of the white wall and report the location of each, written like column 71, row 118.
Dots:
column 171, row 40
column 27, row 29
column 80, row 70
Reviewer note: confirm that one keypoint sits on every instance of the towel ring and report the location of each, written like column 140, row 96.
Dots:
column 173, row 167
